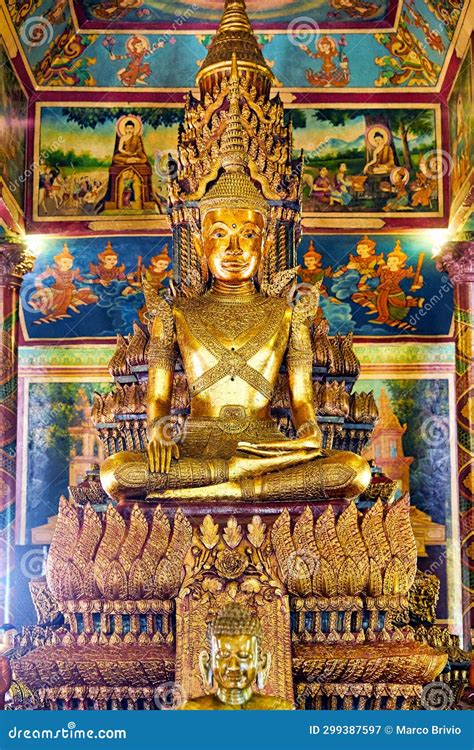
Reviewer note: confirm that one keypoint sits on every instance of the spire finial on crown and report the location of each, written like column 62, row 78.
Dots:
column 234, row 188
column 235, row 34
column 233, row 154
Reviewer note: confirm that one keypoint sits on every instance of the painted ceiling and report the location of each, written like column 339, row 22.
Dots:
column 206, row 13
column 374, row 45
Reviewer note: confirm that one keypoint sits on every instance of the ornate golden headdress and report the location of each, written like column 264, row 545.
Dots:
column 397, row 252
column 109, row 251
column 234, row 188
column 64, row 254
column 234, row 619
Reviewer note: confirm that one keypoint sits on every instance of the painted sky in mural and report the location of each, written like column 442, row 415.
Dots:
column 378, row 285
column 300, row 54
column 386, row 161
column 91, row 288
column 12, row 129
column 411, row 444
column 105, row 161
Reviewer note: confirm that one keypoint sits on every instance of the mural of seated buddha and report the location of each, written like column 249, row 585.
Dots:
column 130, row 174
column 233, row 340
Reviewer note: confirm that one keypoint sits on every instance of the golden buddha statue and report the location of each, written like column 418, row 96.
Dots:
column 233, row 340
column 235, row 662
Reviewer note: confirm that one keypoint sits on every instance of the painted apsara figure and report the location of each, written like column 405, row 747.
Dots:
column 335, row 65
column 55, row 301
column 365, row 262
column 312, row 271
column 389, row 301
column 107, row 269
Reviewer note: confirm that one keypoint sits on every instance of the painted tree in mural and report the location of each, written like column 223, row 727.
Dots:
column 52, row 410
column 90, row 117
column 423, row 405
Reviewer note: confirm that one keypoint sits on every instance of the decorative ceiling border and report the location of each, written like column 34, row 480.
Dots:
column 84, row 25
column 463, row 27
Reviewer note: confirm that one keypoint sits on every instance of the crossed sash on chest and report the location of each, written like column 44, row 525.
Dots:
column 234, row 361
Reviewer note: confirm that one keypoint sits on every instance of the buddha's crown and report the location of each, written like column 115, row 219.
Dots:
column 234, row 188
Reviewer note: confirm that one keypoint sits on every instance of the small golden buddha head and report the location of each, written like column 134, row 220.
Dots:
column 236, row 660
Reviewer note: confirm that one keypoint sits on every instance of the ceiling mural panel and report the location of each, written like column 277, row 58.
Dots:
column 208, row 12
column 333, row 44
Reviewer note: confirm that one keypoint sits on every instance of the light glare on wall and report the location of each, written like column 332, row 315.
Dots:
column 439, row 237
column 35, row 243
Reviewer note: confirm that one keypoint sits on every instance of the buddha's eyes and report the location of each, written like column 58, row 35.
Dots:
column 249, row 234
column 218, row 233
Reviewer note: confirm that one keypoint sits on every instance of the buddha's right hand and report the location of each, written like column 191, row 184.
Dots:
column 160, row 452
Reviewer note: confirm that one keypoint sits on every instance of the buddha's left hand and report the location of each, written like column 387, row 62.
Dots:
column 277, row 447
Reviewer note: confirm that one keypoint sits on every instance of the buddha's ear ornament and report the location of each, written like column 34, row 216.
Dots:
column 205, row 668
column 265, row 663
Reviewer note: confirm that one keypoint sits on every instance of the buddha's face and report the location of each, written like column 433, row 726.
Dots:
column 234, row 661
column 232, row 243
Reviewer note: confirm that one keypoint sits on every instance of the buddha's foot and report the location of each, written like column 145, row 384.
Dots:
column 341, row 475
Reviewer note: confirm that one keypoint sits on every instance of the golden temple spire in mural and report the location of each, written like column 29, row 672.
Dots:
column 234, row 35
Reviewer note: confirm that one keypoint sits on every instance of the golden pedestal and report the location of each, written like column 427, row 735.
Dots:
column 137, row 590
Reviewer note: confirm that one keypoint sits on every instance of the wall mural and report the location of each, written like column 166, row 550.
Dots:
column 13, row 129
column 378, row 161
column 107, row 161
column 62, row 446
column 461, row 127
column 375, row 286
column 378, row 285
column 314, row 48
column 411, row 444
column 91, row 288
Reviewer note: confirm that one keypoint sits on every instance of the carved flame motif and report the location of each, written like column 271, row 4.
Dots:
column 373, row 555
column 93, row 556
